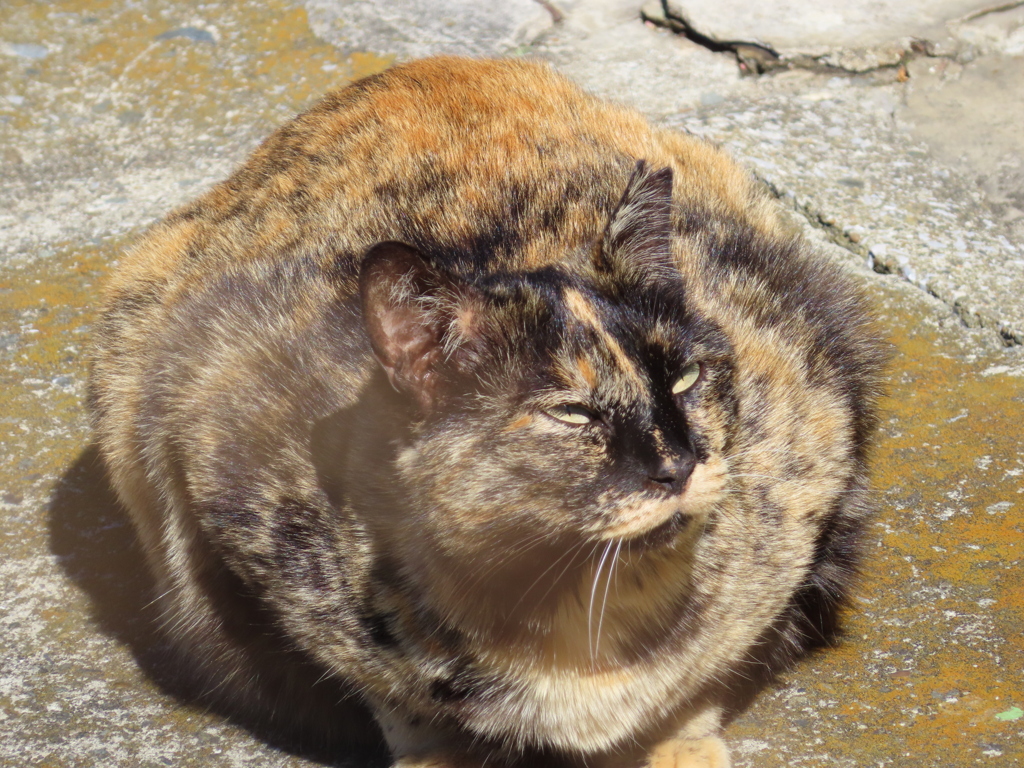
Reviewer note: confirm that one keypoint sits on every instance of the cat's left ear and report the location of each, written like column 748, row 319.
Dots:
column 408, row 310
column 637, row 243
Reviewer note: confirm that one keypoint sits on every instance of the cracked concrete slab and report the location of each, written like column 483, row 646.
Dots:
column 842, row 161
column 993, row 29
column 856, row 36
column 112, row 114
column 818, row 28
column 597, row 44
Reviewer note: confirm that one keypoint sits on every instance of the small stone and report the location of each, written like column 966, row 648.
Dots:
column 945, row 48
column 129, row 116
column 26, row 50
column 194, row 34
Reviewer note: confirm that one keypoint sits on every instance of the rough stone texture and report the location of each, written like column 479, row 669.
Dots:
column 123, row 118
column 111, row 114
column 996, row 29
column 986, row 145
column 414, row 28
column 856, row 34
column 841, row 160
column 597, row 45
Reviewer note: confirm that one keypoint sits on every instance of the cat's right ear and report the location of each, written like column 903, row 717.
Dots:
column 637, row 243
column 398, row 291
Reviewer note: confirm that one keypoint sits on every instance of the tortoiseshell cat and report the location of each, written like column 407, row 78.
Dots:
column 479, row 405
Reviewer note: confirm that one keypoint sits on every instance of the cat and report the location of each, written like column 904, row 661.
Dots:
column 476, row 415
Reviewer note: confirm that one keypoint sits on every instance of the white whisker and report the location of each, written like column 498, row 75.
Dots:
column 604, row 601
column 593, row 594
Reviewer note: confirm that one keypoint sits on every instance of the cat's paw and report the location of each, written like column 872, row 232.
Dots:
column 709, row 752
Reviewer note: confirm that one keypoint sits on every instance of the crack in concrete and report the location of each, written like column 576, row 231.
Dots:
column 557, row 14
column 759, row 59
column 1001, row 8
column 756, row 58
column 842, row 238
column 753, row 58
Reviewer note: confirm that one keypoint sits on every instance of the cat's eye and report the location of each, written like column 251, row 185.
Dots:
column 689, row 377
column 571, row 414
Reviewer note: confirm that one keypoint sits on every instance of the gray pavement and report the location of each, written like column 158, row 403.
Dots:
column 891, row 132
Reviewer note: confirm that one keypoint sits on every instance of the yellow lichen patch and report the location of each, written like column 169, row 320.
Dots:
column 955, row 461
column 109, row 66
column 366, row 64
column 926, row 662
column 44, row 315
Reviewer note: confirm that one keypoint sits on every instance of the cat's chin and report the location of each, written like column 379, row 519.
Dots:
column 641, row 517
column 661, row 535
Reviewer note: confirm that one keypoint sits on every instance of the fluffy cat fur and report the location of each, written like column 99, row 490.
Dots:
column 478, row 405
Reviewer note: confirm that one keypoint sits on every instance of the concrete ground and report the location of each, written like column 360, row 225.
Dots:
column 892, row 132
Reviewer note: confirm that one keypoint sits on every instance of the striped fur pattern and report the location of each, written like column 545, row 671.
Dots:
column 478, row 406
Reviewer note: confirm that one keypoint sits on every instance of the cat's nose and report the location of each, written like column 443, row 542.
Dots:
column 672, row 474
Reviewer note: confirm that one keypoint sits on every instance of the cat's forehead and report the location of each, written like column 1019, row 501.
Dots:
column 603, row 343
column 593, row 335
column 622, row 347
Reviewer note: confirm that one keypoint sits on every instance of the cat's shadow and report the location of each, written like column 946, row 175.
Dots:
column 94, row 543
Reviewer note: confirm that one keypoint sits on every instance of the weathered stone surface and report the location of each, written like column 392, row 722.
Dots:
column 996, row 31
column 117, row 125
column 840, row 158
column 949, row 106
column 414, row 28
column 597, row 45
column 793, row 28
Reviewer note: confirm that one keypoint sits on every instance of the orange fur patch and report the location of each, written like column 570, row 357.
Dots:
column 586, row 314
